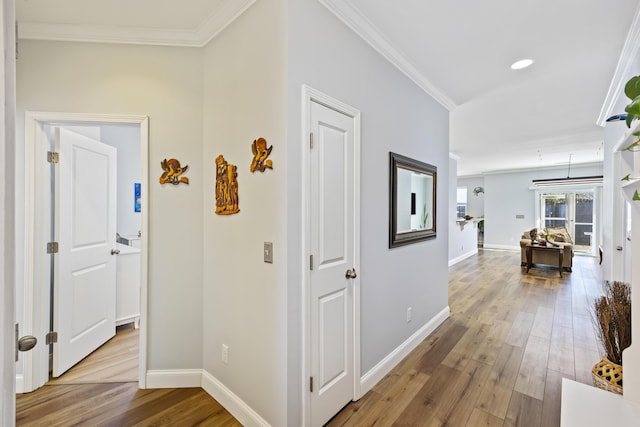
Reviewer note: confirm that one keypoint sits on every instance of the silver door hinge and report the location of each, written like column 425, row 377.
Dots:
column 51, row 338
column 17, row 339
column 17, row 45
column 311, row 140
column 310, row 262
column 52, row 247
column 311, row 384
column 52, row 157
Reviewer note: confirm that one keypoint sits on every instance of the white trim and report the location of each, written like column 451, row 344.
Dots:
column 312, row 95
column 500, row 247
column 19, row 383
column 625, row 62
column 174, row 378
column 197, row 37
column 231, row 402
column 191, row 378
column 37, row 230
column 377, row 373
column 7, row 215
column 355, row 20
column 463, row 257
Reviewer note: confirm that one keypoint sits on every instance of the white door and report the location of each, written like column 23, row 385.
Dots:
column 332, row 244
column 84, row 307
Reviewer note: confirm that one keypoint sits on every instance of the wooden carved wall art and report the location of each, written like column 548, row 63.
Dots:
column 226, row 187
column 172, row 172
column 260, row 154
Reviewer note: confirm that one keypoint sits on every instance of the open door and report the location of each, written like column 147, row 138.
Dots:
column 84, row 296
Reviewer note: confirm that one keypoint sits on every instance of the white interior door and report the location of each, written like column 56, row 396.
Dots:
column 332, row 244
column 84, row 307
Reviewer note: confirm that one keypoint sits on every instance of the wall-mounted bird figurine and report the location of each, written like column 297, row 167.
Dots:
column 172, row 172
column 260, row 153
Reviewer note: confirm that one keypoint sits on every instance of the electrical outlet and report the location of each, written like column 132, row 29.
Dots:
column 225, row 354
column 408, row 314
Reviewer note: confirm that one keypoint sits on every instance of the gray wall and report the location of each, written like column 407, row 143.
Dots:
column 165, row 84
column 244, row 299
column 509, row 194
column 216, row 100
column 475, row 204
column 463, row 236
column 396, row 116
column 126, row 138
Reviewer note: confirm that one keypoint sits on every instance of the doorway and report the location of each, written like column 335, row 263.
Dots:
column 38, row 231
column 574, row 210
column 331, row 257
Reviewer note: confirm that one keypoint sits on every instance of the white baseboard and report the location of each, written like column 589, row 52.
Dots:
column 231, row 402
column 371, row 378
column 178, row 378
column 187, row 378
column 463, row 257
column 501, row 247
column 19, row 383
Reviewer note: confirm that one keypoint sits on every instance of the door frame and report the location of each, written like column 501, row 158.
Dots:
column 7, row 214
column 38, row 231
column 597, row 208
column 310, row 95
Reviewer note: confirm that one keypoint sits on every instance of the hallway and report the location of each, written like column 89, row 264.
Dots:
column 500, row 358
column 498, row 361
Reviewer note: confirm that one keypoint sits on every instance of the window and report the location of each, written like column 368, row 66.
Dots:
column 573, row 210
column 461, row 202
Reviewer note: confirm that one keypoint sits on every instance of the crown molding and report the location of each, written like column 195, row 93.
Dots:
column 357, row 22
column 540, row 168
column 621, row 75
column 198, row 37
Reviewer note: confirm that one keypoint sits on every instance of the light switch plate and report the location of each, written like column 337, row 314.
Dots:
column 268, row 252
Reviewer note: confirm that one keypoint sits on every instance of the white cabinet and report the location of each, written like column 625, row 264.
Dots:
column 128, row 285
column 630, row 186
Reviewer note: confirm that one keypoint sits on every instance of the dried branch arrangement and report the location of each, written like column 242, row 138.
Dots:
column 612, row 320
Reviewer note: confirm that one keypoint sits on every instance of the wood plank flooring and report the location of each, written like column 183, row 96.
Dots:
column 119, row 404
column 115, row 361
column 102, row 390
column 500, row 358
column 497, row 361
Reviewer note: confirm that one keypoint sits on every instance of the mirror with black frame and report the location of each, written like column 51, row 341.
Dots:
column 412, row 200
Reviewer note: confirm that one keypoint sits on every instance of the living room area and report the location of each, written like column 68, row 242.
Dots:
column 502, row 207
column 574, row 228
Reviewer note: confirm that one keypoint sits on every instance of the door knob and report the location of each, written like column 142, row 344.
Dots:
column 27, row 342
column 351, row 273
column 115, row 251
column 619, row 248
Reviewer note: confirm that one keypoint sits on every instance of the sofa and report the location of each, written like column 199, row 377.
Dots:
column 559, row 235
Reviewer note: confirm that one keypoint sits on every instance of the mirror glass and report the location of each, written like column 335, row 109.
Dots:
column 412, row 200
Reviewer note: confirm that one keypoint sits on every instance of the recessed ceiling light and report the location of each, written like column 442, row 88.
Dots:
column 523, row 63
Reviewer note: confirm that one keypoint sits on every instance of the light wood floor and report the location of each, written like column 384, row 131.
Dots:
column 102, row 390
column 500, row 358
column 497, row 361
column 115, row 361
column 117, row 405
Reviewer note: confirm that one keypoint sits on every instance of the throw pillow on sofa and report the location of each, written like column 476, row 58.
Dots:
column 561, row 232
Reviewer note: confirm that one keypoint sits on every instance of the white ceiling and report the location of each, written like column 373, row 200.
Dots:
column 459, row 52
